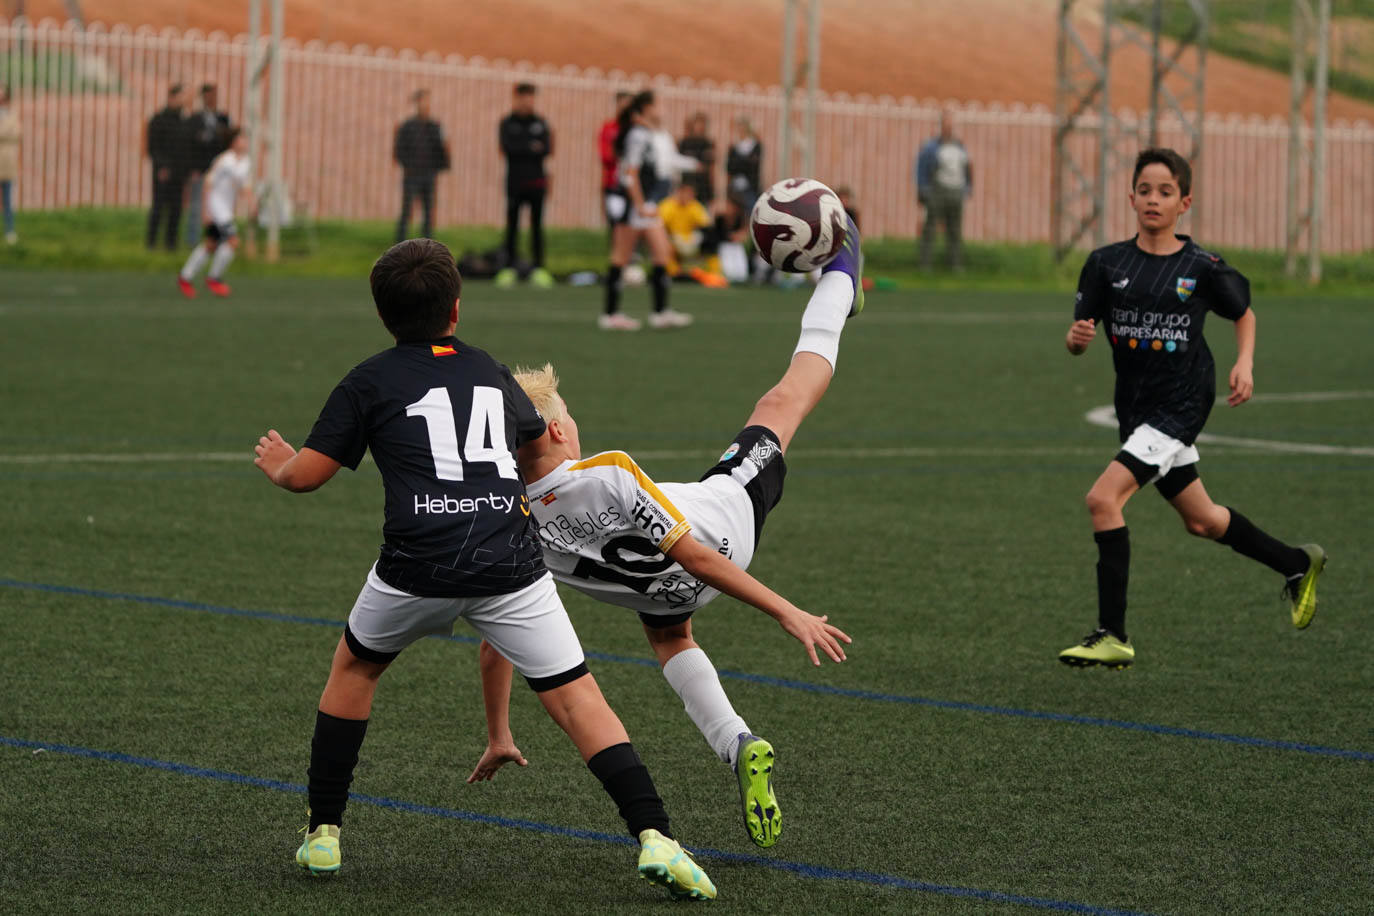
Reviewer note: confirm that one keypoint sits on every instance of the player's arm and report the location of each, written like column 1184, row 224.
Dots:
column 496, row 677
column 724, row 576
column 1242, row 376
column 1089, row 305
column 299, row 472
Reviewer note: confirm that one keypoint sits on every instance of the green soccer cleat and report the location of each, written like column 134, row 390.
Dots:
column 664, row 863
column 754, row 767
column 541, row 278
column 1099, row 648
column 506, row 277
column 319, row 851
column 1302, row 590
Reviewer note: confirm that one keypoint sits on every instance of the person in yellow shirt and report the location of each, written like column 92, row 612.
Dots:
column 686, row 220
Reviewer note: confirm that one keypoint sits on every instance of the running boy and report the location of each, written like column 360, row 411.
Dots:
column 666, row 550
column 1152, row 293
column 458, row 543
column 227, row 179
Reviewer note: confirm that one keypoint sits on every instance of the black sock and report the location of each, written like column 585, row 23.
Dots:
column 658, row 279
column 1113, row 572
column 333, row 755
column 1245, row 539
column 627, row 782
column 613, row 289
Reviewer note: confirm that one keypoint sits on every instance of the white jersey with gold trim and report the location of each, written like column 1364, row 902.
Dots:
column 606, row 529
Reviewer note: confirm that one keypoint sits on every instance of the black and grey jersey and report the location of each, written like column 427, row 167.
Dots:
column 1151, row 308
column 640, row 154
column 443, row 421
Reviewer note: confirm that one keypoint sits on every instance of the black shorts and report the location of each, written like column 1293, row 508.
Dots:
column 617, row 206
column 221, row 232
column 755, row 460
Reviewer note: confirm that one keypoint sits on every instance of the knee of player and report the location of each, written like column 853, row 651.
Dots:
column 1098, row 502
column 1206, row 526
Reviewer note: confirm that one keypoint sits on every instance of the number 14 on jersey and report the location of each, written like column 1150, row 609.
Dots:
column 486, row 439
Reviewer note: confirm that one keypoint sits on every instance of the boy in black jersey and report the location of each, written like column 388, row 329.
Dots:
column 458, row 543
column 1152, row 294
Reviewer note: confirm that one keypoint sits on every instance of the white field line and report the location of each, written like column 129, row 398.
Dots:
column 1106, row 416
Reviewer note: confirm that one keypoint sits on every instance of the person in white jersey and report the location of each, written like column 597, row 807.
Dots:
column 226, row 180
column 666, row 550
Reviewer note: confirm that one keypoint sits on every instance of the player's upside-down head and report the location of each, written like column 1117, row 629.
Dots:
column 541, row 385
column 416, row 286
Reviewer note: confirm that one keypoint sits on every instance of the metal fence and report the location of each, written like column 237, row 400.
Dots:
column 84, row 96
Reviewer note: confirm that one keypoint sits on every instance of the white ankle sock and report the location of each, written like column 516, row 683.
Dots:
column 694, row 678
column 194, row 263
column 824, row 317
column 223, row 255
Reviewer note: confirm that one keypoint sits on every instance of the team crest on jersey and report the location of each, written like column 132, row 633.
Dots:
column 730, row 452
column 1185, row 288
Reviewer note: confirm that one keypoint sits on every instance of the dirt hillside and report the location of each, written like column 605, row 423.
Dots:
column 969, row 50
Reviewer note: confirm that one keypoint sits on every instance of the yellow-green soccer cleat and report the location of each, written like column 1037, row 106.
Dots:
column 754, row 767
column 506, row 278
column 1302, row 590
column 319, row 851
column 1099, row 648
column 664, row 863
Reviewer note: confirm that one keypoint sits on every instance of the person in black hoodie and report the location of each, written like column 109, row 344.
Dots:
column 422, row 153
column 165, row 142
column 526, row 141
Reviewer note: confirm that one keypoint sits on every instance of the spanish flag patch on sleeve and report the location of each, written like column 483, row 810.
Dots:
column 443, row 350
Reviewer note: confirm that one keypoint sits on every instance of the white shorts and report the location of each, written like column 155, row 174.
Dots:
column 529, row 627
column 1158, row 450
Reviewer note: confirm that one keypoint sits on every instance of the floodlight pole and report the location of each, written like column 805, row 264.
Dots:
column 789, row 136
column 1309, row 23
column 274, row 113
column 252, row 103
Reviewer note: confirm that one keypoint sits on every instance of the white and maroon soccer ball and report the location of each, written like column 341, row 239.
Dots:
column 798, row 225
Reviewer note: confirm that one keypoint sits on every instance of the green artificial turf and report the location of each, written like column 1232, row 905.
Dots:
column 933, row 509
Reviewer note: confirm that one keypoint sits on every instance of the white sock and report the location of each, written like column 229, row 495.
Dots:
column 194, row 263
column 824, row 317
column 694, row 678
column 223, row 255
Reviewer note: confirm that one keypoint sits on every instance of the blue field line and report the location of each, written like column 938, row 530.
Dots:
column 766, row 681
column 803, row 869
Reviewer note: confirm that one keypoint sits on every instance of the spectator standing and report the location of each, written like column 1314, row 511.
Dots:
column 703, row 149
column 742, row 164
column 610, row 163
column 207, row 137
column 422, row 153
column 165, row 143
column 944, row 180
column 9, row 161
column 526, row 141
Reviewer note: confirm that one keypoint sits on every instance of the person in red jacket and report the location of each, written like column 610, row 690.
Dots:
column 610, row 184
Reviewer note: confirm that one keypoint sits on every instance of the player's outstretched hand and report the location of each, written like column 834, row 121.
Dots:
column 1081, row 333
column 812, row 631
column 1242, row 385
column 273, row 451
column 495, row 757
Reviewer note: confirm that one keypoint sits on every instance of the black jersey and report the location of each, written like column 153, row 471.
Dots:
column 443, row 421
column 1151, row 308
column 525, row 141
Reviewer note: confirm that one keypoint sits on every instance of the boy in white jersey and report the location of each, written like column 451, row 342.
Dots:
column 666, row 550
column 227, row 178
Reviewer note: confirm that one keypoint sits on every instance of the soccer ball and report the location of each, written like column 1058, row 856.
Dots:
column 798, row 225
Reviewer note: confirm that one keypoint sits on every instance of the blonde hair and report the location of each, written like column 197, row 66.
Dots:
column 541, row 385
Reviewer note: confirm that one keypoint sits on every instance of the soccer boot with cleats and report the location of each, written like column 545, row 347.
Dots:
column 754, row 766
column 664, row 863
column 541, row 278
column 1301, row 591
column 669, row 319
column 617, row 322
column 506, row 277
column 850, row 261
column 1099, row 648
column 186, row 288
column 319, row 852
column 218, row 287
